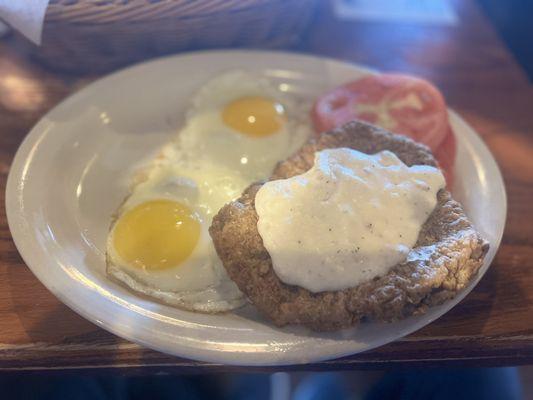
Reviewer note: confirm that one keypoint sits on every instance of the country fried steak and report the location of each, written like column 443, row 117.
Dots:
column 447, row 255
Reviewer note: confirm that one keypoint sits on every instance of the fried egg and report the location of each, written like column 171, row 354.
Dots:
column 245, row 122
column 238, row 126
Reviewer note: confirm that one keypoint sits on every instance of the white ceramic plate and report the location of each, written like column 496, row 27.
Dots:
column 70, row 174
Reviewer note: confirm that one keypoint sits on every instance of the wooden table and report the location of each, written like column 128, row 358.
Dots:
column 492, row 326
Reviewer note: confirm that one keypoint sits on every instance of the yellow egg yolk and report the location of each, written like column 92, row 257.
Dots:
column 254, row 116
column 157, row 234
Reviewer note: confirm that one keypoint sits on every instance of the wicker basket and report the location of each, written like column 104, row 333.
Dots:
column 101, row 35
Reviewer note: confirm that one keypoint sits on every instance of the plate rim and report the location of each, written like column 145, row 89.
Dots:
column 16, row 223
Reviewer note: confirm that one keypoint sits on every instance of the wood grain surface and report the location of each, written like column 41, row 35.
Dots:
column 480, row 79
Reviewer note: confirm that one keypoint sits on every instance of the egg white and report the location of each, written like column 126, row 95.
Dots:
column 200, row 282
column 206, row 166
column 207, row 137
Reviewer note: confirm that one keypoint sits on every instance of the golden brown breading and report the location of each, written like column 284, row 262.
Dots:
column 447, row 255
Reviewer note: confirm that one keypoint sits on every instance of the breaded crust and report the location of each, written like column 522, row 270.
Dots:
column 447, row 255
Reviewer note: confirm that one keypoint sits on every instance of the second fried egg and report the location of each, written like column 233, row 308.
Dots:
column 245, row 122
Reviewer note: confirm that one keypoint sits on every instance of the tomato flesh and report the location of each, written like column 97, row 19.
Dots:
column 445, row 156
column 402, row 104
column 399, row 103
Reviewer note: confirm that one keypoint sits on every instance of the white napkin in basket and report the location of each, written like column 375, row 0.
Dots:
column 26, row 16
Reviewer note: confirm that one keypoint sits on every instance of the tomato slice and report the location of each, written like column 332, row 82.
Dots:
column 445, row 156
column 399, row 103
